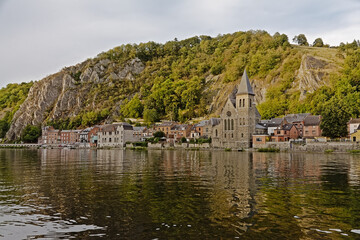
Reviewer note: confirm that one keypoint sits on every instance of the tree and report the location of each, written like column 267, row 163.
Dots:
column 318, row 42
column 159, row 134
column 301, row 40
column 31, row 134
column 334, row 121
column 4, row 127
column 151, row 115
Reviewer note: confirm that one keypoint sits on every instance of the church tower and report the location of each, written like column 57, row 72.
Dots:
column 246, row 112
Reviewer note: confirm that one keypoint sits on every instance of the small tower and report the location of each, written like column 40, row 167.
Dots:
column 246, row 111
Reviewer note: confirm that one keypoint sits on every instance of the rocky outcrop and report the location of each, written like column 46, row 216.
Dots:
column 313, row 73
column 63, row 95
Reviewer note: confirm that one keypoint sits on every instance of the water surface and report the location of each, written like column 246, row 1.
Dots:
column 116, row 194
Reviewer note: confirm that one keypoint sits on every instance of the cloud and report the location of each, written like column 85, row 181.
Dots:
column 39, row 37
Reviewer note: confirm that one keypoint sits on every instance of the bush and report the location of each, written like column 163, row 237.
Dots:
column 31, row 134
column 183, row 140
column 268, row 150
column 159, row 134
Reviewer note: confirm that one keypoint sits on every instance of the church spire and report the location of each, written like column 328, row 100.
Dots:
column 244, row 86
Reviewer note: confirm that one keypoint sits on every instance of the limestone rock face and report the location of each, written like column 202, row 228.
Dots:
column 312, row 74
column 62, row 95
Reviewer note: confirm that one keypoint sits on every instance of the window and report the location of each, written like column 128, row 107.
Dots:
column 278, row 132
column 232, row 135
column 232, row 124
column 313, row 131
column 240, row 103
column 243, row 121
column 242, row 135
column 243, row 102
column 258, row 139
column 216, row 133
column 249, row 102
column 225, row 135
column 225, row 126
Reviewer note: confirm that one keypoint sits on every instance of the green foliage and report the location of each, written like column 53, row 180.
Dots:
column 334, row 121
column 151, row 115
column 183, row 140
column 133, row 108
column 301, row 40
column 268, row 150
column 318, row 42
column 31, row 134
column 159, row 134
column 4, row 127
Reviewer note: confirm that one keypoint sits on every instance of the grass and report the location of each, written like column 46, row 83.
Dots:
column 268, row 150
column 354, row 151
column 329, row 151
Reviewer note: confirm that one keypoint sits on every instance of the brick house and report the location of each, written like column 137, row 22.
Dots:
column 164, row 127
column 50, row 135
column 312, row 126
column 180, row 130
column 285, row 133
column 93, row 136
column 70, row 136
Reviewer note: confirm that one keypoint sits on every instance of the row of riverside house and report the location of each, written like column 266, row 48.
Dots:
column 118, row 134
column 289, row 127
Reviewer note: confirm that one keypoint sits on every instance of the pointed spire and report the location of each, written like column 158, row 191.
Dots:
column 244, row 86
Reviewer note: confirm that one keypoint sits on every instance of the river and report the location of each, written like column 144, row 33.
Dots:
column 178, row 194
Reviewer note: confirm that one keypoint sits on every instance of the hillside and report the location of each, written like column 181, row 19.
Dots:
column 180, row 80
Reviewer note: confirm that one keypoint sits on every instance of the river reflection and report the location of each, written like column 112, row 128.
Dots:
column 116, row 194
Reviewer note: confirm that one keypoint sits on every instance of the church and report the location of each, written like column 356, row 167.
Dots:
column 238, row 118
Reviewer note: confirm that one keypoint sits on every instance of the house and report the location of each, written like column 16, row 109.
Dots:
column 273, row 124
column 285, row 133
column 164, row 127
column 84, row 135
column 355, row 136
column 297, row 119
column 179, row 131
column 353, row 125
column 115, row 135
column 93, row 136
column 70, row 137
column 260, row 139
column 139, row 133
column 312, row 126
column 50, row 136
column 238, row 118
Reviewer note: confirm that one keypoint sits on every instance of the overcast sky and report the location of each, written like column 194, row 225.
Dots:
column 40, row 37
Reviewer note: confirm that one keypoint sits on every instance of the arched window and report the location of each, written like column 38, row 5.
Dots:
column 225, row 126
column 240, row 103
column 232, row 135
column 243, row 102
column 243, row 121
column 232, row 124
column 242, row 135
column 216, row 133
column 249, row 102
column 229, row 126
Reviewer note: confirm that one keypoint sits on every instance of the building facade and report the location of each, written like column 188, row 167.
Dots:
column 115, row 135
column 238, row 118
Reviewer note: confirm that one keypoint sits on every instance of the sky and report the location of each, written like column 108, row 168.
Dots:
column 40, row 37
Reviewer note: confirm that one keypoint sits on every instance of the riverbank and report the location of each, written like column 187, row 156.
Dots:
column 325, row 147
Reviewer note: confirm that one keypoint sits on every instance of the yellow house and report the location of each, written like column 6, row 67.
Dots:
column 355, row 136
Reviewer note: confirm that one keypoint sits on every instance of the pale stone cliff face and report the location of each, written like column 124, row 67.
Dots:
column 62, row 95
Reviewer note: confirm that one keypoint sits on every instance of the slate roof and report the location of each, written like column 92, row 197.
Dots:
column 139, row 128
column 312, row 120
column 245, row 86
column 287, row 126
column 260, row 126
column 179, row 127
column 215, row 121
column 298, row 117
column 275, row 122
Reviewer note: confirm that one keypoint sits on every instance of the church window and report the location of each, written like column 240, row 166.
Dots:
column 243, row 102
column 250, row 103
column 243, row 121
column 225, row 135
column 232, row 124
column 229, row 126
column 242, row 135
column 232, row 135
column 225, row 126
column 216, row 133
column 240, row 103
